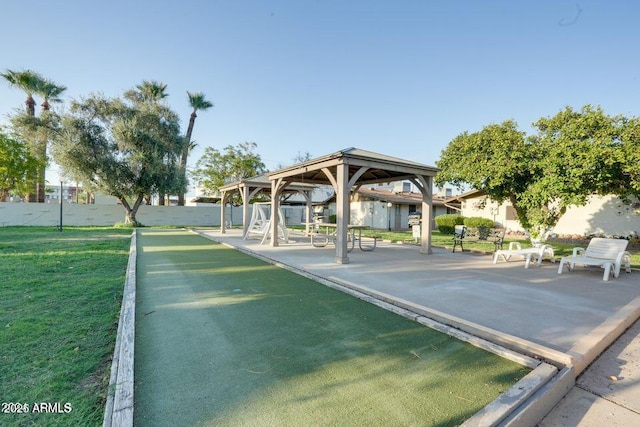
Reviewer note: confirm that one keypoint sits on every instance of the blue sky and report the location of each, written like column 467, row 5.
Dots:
column 401, row 78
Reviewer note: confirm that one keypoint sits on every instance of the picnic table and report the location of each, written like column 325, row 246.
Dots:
column 320, row 239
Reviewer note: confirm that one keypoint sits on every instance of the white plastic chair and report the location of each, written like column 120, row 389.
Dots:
column 539, row 252
column 609, row 254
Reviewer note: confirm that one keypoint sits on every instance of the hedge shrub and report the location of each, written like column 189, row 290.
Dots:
column 478, row 221
column 446, row 223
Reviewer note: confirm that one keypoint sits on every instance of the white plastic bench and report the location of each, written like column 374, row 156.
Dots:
column 609, row 254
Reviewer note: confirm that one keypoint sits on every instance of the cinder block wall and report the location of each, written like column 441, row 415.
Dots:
column 48, row 214
column 45, row 214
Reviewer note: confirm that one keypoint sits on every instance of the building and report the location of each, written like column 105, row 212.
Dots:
column 389, row 206
column 602, row 215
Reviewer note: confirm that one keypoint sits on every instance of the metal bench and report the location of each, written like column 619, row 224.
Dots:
column 462, row 233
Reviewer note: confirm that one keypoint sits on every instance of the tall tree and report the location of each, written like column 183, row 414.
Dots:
column 198, row 102
column 51, row 93
column 147, row 92
column 151, row 93
column 216, row 168
column 126, row 150
column 16, row 166
column 30, row 83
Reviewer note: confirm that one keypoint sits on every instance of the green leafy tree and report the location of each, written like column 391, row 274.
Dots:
column 198, row 102
column 580, row 159
column 124, row 149
column 216, row 168
column 16, row 166
column 574, row 155
column 497, row 160
column 151, row 94
column 629, row 157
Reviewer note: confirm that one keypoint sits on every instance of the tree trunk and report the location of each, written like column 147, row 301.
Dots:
column 185, row 154
column 31, row 106
column 130, row 216
column 41, row 183
column 32, row 196
column 4, row 193
column 41, row 148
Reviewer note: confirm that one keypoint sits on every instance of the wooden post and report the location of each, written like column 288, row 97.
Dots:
column 342, row 213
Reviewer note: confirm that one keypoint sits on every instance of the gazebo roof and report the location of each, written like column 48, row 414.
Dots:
column 381, row 168
column 262, row 181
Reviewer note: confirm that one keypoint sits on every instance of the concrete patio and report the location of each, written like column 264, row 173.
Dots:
column 567, row 320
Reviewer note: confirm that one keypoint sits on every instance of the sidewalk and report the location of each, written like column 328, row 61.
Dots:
column 571, row 317
column 608, row 392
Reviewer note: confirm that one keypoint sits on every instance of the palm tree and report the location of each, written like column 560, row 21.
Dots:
column 198, row 102
column 51, row 93
column 30, row 82
column 149, row 92
column 27, row 80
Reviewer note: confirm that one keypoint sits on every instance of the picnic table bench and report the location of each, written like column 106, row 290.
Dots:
column 320, row 239
column 489, row 235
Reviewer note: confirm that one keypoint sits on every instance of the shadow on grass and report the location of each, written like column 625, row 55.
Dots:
column 225, row 339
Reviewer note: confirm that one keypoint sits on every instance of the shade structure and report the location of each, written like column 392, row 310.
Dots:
column 248, row 188
column 348, row 169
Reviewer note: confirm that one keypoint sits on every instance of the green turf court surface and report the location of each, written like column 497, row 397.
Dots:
column 225, row 339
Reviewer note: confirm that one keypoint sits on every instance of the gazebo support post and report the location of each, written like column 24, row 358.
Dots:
column 244, row 192
column 425, row 185
column 223, row 212
column 276, row 189
column 342, row 213
column 308, row 210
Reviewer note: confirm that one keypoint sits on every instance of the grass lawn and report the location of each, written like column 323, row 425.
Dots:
column 59, row 306
column 225, row 339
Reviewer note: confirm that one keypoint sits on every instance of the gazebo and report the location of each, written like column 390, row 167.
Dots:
column 349, row 169
column 248, row 188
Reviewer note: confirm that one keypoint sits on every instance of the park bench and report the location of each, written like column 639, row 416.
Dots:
column 462, row 234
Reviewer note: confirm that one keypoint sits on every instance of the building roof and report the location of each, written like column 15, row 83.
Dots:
column 467, row 195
